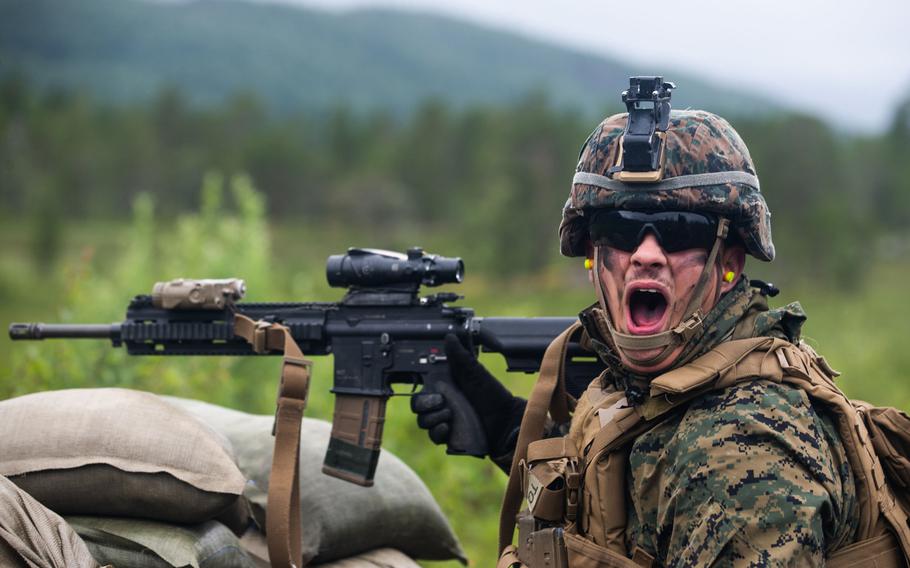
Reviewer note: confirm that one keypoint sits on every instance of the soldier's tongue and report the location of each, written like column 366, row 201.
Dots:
column 646, row 311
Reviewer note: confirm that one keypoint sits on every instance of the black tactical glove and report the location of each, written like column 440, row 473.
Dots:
column 499, row 411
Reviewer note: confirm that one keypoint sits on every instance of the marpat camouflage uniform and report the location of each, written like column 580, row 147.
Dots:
column 748, row 476
column 752, row 475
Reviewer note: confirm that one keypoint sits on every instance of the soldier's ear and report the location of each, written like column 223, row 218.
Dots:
column 732, row 260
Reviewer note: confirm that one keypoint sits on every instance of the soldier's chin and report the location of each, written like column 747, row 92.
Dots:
column 645, row 354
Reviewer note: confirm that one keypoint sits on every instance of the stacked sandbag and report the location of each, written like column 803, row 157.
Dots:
column 256, row 546
column 117, row 452
column 124, row 542
column 31, row 536
column 152, row 477
column 340, row 519
column 144, row 482
column 379, row 558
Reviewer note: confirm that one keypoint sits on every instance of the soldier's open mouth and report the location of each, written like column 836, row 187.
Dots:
column 647, row 309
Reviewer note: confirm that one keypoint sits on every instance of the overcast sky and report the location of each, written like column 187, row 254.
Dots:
column 849, row 62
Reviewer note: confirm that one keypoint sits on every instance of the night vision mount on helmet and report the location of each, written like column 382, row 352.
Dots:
column 642, row 156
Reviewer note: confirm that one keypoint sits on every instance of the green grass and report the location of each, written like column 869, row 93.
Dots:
column 862, row 332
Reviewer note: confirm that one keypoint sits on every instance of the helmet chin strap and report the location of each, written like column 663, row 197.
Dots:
column 668, row 341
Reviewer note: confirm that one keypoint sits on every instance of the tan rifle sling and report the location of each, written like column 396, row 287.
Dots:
column 283, row 522
column 549, row 394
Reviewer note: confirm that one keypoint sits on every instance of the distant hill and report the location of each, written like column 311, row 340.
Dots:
column 296, row 58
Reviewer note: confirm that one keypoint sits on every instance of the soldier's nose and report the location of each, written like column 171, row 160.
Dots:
column 649, row 253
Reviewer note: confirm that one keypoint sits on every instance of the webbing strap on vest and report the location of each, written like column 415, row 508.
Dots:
column 548, row 394
column 283, row 522
column 873, row 492
column 508, row 558
column 883, row 551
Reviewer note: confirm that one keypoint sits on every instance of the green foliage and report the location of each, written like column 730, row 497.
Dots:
column 217, row 242
column 498, row 174
column 483, row 183
column 862, row 332
column 47, row 230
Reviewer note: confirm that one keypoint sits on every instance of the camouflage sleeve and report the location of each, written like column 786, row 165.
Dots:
column 748, row 476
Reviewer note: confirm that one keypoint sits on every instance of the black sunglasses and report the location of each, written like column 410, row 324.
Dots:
column 675, row 230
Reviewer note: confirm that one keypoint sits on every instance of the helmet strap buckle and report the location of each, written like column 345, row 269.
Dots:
column 690, row 325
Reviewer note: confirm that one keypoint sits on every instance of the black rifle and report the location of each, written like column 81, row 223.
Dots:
column 382, row 332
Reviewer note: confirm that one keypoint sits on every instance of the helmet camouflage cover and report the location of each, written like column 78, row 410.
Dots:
column 697, row 142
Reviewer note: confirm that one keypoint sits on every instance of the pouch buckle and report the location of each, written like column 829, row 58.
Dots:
column 573, row 479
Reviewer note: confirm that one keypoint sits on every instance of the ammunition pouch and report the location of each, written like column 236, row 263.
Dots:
column 540, row 546
column 555, row 547
column 551, row 480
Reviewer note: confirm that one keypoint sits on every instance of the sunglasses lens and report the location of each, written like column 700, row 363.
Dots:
column 616, row 229
column 675, row 231
column 687, row 231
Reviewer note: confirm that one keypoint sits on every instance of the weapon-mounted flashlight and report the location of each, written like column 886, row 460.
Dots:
column 188, row 294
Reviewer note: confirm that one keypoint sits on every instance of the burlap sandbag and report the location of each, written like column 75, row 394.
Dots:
column 31, row 536
column 255, row 544
column 116, row 452
column 340, row 519
column 135, row 543
column 381, row 558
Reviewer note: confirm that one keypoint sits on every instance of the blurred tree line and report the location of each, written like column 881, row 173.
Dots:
column 496, row 176
column 490, row 180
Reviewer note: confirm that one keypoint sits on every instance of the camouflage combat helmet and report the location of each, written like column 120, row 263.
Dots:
column 651, row 159
column 707, row 169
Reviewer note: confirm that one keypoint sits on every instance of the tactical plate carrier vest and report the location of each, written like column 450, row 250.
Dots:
column 575, row 486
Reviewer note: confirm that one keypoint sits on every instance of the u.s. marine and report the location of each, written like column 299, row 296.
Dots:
column 715, row 437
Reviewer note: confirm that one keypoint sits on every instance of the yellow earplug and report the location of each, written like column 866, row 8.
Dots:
column 589, row 264
column 729, row 276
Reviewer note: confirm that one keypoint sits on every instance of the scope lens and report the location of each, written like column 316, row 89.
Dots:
column 448, row 270
column 333, row 271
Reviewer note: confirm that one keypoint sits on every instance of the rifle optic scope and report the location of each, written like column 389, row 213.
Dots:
column 377, row 268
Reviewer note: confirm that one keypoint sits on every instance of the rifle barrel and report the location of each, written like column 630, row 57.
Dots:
column 64, row 330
